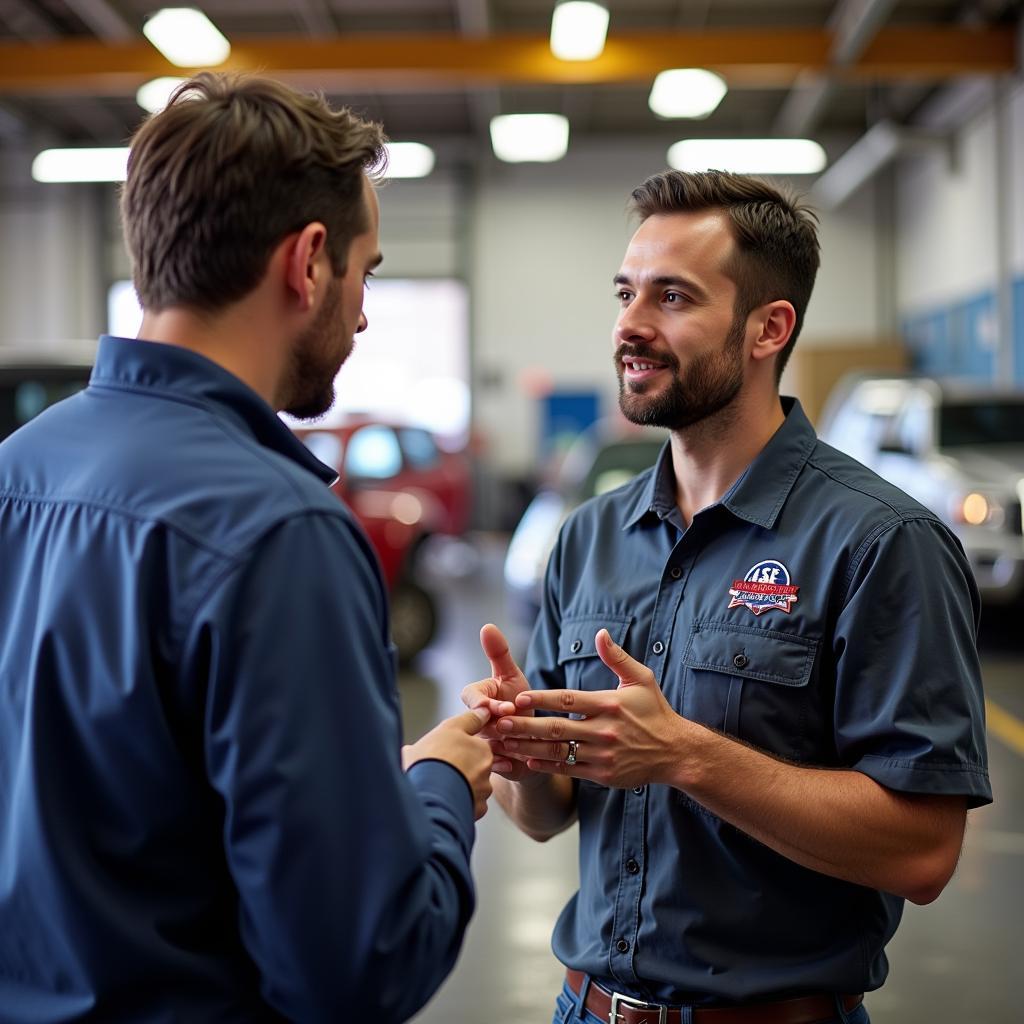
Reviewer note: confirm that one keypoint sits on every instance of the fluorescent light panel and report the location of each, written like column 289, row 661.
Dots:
column 60, row 165
column 686, row 92
column 153, row 96
column 186, row 37
column 578, row 29
column 409, row 160
column 518, row 138
column 748, row 156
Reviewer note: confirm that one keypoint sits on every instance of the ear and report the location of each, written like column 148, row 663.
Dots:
column 306, row 263
column 775, row 322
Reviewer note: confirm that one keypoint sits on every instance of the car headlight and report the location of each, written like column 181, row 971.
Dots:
column 978, row 509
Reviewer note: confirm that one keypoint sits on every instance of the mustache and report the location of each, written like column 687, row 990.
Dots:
column 627, row 351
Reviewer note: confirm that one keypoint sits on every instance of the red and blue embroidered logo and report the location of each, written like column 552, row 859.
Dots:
column 764, row 587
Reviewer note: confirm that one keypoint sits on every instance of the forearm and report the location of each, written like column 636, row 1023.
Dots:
column 838, row 822
column 541, row 805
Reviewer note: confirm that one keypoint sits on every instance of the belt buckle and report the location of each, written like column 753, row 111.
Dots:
column 618, row 999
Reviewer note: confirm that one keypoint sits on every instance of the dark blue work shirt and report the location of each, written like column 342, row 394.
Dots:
column 203, row 815
column 815, row 612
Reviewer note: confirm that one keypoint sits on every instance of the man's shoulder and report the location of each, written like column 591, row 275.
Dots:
column 846, row 487
column 176, row 462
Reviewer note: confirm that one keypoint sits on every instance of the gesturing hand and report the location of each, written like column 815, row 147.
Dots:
column 457, row 741
column 497, row 694
column 629, row 736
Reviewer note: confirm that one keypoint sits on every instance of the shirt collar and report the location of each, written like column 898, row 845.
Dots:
column 187, row 376
column 762, row 489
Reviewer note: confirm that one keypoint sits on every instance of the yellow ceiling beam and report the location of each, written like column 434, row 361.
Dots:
column 403, row 61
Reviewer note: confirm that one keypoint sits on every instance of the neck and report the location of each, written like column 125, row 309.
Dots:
column 239, row 339
column 710, row 456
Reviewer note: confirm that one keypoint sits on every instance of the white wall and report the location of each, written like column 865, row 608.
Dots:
column 948, row 205
column 50, row 258
column 547, row 240
column 538, row 244
column 960, row 231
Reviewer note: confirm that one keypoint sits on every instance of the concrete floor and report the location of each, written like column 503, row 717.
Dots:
column 951, row 962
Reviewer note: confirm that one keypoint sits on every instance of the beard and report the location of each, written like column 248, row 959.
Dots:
column 315, row 361
column 709, row 385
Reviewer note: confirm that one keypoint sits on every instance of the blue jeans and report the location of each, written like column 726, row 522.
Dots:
column 567, row 1012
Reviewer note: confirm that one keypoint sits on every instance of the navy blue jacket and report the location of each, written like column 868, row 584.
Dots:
column 203, row 815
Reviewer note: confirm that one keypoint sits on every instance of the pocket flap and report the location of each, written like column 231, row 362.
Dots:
column 578, row 631
column 750, row 652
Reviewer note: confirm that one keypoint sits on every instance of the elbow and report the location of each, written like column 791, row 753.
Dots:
column 931, row 875
column 928, row 871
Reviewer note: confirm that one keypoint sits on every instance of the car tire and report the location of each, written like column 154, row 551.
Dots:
column 413, row 619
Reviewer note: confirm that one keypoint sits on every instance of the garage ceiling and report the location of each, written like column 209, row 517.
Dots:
column 437, row 70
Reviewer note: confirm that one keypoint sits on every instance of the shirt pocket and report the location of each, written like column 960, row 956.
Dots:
column 577, row 653
column 753, row 683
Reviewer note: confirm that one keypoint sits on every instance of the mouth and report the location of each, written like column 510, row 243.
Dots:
column 634, row 369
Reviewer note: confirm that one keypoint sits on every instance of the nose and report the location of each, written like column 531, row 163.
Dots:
column 633, row 324
column 363, row 323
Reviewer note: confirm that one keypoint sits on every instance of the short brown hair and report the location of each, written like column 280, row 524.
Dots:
column 777, row 254
column 231, row 166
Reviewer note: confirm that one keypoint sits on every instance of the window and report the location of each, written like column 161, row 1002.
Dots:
column 373, row 454
column 420, row 450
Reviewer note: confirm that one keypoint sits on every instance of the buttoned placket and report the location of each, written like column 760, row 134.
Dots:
column 633, row 851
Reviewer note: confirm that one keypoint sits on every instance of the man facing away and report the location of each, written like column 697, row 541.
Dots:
column 756, row 663
column 203, row 809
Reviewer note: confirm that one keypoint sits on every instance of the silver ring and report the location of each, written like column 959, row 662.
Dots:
column 570, row 758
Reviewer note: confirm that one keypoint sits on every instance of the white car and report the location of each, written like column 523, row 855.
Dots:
column 958, row 448
column 603, row 457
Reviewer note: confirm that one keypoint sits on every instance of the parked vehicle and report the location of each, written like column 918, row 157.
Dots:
column 404, row 488
column 602, row 458
column 956, row 447
column 30, row 381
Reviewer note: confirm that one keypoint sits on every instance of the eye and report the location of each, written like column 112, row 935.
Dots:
column 624, row 295
column 366, row 278
column 674, row 298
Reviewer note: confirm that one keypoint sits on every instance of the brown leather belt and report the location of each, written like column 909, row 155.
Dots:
column 802, row 1010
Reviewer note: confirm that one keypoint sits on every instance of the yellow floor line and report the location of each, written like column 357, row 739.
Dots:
column 1005, row 726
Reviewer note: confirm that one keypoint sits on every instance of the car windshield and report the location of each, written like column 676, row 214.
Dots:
column 983, row 422
column 618, row 463
column 27, row 391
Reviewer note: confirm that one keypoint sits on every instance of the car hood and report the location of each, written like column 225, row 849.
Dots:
column 995, row 465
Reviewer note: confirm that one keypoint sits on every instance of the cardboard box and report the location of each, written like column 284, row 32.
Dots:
column 814, row 367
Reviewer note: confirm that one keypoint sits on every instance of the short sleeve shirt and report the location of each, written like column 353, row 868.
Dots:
column 816, row 613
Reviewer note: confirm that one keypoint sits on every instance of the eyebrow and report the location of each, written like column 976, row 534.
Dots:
column 376, row 261
column 667, row 280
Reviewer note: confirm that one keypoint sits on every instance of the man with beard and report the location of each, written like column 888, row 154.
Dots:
column 206, row 811
column 755, row 679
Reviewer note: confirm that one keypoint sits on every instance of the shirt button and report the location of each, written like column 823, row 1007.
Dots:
column 675, row 572
column 577, row 646
column 622, row 946
column 658, row 647
column 638, row 790
column 741, row 661
column 632, row 867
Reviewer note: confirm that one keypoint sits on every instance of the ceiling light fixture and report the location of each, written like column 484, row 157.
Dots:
column 686, row 92
column 63, row 165
column 578, row 29
column 409, row 160
column 154, row 95
column 748, row 156
column 518, row 138
column 186, row 37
